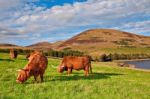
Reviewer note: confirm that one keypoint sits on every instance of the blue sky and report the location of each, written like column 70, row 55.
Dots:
column 24, row 22
column 51, row 3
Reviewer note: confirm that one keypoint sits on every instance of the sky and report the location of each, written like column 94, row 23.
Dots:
column 24, row 22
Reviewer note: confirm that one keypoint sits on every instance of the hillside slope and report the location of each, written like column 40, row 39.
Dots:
column 40, row 45
column 93, row 40
column 9, row 46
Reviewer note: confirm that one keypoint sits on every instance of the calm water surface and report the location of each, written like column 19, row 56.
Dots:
column 144, row 64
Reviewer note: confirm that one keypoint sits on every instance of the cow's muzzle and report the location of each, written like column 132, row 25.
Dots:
column 18, row 81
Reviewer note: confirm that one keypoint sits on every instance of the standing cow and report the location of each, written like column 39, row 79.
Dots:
column 36, row 67
column 13, row 53
column 77, row 63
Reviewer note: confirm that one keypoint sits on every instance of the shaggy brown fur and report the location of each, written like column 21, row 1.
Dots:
column 73, row 62
column 13, row 53
column 35, row 67
column 27, row 55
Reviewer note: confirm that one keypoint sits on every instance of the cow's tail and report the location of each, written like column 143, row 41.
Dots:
column 89, row 64
column 90, row 67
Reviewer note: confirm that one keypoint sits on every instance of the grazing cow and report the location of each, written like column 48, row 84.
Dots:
column 35, row 67
column 13, row 54
column 73, row 62
column 27, row 55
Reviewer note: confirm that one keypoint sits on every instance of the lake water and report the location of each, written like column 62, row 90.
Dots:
column 144, row 64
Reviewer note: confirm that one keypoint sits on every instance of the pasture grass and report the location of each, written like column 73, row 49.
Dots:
column 125, row 50
column 107, row 82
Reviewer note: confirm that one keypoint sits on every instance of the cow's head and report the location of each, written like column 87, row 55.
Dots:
column 23, row 75
column 27, row 56
column 60, row 69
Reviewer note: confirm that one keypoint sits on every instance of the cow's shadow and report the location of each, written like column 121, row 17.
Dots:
column 72, row 77
column 75, row 76
column 8, row 60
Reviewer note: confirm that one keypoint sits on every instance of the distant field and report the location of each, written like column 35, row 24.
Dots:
column 126, row 50
column 107, row 82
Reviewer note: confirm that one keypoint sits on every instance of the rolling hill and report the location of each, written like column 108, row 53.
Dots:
column 40, row 45
column 9, row 46
column 95, row 39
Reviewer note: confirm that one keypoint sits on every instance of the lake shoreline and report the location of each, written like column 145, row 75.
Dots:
column 138, row 64
column 132, row 60
column 139, row 69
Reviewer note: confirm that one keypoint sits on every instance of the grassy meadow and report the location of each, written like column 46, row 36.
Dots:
column 107, row 82
column 126, row 50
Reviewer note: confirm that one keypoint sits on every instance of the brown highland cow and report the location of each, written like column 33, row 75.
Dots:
column 36, row 67
column 13, row 54
column 77, row 63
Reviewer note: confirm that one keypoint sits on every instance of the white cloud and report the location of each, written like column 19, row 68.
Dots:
column 5, row 4
column 141, row 27
column 31, row 19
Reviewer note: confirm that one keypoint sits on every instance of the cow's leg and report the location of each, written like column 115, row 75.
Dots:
column 90, row 68
column 41, row 76
column 69, row 71
column 86, row 71
column 35, row 77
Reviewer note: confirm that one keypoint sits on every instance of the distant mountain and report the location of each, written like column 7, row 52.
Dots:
column 40, row 45
column 8, row 46
column 94, row 39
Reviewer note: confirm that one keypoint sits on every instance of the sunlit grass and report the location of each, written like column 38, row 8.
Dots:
column 107, row 82
column 126, row 50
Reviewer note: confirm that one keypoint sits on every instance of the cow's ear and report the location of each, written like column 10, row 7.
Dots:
column 20, row 70
column 62, row 66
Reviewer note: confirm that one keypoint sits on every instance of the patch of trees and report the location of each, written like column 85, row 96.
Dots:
column 116, row 56
column 4, row 50
column 51, row 53
column 122, row 42
column 19, row 51
column 103, row 57
column 63, row 53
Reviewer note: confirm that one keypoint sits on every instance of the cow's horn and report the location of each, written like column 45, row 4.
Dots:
column 19, row 70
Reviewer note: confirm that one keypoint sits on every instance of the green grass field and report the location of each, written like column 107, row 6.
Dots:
column 107, row 82
column 125, row 50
